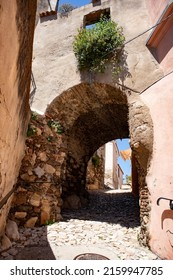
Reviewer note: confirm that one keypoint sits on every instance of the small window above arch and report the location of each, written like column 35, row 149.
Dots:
column 95, row 16
column 96, row 2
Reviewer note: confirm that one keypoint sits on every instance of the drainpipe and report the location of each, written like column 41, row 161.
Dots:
column 57, row 6
column 49, row 5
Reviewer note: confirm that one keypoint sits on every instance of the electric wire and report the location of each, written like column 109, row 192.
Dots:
column 131, row 40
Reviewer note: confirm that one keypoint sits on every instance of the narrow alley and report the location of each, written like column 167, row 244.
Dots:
column 108, row 226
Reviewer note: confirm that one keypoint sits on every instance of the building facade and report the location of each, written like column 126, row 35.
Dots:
column 94, row 110
column 113, row 176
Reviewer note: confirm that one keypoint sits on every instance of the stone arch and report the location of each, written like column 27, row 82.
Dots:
column 93, row 114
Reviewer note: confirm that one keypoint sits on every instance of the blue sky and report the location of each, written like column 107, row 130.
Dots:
column 77, row 3
column 125, row 165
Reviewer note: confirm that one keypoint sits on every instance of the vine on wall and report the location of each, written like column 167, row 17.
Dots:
column 95, row 46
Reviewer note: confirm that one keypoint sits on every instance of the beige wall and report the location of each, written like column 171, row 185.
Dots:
column 16, row 36
column 120, row 177
column 111, row 167
column 54, row 63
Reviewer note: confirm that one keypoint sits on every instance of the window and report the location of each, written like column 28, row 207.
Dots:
column 94, row 17
column 96, row 2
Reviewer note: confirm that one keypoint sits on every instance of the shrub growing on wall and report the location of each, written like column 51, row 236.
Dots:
column 93, row 47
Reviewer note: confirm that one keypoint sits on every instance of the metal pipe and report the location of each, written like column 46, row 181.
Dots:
column 5, row 199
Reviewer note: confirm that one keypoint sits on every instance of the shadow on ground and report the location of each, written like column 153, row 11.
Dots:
column 36, row 253
column 117, row 208
column 104, row 206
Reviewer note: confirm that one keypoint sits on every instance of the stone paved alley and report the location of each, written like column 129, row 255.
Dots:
column 109, row 226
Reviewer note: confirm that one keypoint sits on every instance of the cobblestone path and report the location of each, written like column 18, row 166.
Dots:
column 109, row 225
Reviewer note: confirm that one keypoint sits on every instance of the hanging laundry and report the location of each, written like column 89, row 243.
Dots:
column 126, row 154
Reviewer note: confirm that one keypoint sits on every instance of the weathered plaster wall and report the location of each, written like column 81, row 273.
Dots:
column 16, row 37
column 160, row 180
column 111, row 157
column 54, row 64
column 42, row 5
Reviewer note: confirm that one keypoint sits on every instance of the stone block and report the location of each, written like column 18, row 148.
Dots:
column 45, row 205
column 30, row 173
column 47, row 130
column 38, row 131
column 58, row 210
column 43, row 156
column 59, row 217
column 45, row 217
column 20, row 199
column 33, row 159
column 31, row 222
column 12, row 230
column 49, row 169
column 35, row 200
column 58, row 173
column 28, row 178
column 39, row 171
column 20, row 215
column 20, row 189
column 5, row 243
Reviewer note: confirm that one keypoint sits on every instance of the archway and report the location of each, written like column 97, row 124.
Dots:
column 93, row 114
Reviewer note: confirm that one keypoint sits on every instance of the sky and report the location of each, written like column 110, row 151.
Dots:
column 77, row 3
column 125, row 165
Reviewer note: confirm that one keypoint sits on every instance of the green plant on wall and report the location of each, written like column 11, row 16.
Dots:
column 94, row 47
column 31, row 131
column 56, row 125
column 95, row 160
column 49, row 222
column 128, row 179
column 34, row 116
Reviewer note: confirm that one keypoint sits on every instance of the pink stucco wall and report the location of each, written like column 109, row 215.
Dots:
column 160, row 177
column 165, row 51
column 161, row 39
column 155, row 8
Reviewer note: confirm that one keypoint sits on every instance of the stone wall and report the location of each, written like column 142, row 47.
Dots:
column 39, row 203
column 38, row 198
column 60, row 161
column 141, row 142
column 95, row 170
column 16, row 37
